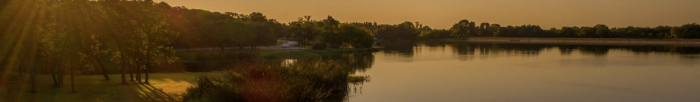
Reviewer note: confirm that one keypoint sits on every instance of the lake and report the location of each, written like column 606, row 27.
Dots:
column 493, row 72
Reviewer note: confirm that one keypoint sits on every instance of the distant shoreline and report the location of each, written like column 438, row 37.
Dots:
column 586, row 41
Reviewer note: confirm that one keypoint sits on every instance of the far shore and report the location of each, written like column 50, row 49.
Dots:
column 588, row 41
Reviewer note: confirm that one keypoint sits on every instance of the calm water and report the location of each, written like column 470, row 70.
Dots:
column 486, row 72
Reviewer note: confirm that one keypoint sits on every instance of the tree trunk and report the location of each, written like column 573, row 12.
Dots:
column 148, row 59
column 60, row 76
column 33, row 79
column 146, row 72
column 148, row 56
column 121, row 50
column 72, row 80
column 123, row 69
column 52, row 69
column 32, row 64
column 99, row 62
column 131, row 73
column 54, row 76
column 138, row 73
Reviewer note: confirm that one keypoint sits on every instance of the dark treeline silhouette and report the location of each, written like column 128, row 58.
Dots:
column 330, row 33
column 466, row 28
column 404, row 31
column 204, row 29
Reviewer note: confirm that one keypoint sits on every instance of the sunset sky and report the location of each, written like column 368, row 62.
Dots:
column 444, row 13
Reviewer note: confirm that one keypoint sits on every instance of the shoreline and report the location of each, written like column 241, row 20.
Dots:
column 584, row 41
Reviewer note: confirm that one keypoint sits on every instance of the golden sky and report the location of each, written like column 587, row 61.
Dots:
column 444, row 13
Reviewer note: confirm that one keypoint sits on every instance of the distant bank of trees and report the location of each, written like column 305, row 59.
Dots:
column 465, row 28
column 330, row 33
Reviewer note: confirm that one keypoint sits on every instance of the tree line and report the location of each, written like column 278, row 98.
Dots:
column 329, row 33
column 203, row 29
column 465, row 28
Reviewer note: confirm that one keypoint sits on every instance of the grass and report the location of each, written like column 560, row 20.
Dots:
column 163, row 87
column 309, row 53
column 191, row 56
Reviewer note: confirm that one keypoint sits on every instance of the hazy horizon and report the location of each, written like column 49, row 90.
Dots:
column 444, row 13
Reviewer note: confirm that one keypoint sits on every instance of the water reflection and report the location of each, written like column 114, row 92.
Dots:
column 468, row 48
column 503, row 72
column 438, row 71
column 402, row 48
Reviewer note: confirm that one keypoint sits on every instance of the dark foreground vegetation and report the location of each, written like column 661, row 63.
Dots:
column 73, row 37
column 77, row 37
column 316, row 79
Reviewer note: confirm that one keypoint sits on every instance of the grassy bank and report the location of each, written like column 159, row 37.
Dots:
column 164, row 87
column 309, row 53
column 192, row 56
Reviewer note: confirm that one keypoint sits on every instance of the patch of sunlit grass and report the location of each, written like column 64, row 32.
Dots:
column 164, row 87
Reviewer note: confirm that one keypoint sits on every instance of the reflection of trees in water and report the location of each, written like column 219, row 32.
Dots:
column 594, row 50
column 464, row 48
column 666, row 49
column 403, row 48
column 350, row 62
column 467, row 48
column 602, row 50
column 493, row 48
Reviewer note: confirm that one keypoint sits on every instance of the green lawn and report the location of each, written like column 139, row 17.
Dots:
column 93, row 88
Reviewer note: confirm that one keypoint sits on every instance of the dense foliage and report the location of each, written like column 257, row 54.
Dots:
column 330, row 33
column 465, row 28
column 69, row 37
column 74, row 36
column 307, row 80
column 204, row 29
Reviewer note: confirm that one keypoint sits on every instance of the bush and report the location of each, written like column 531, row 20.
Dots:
column 305, row 80
column 319, row 46
column 212, row 91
